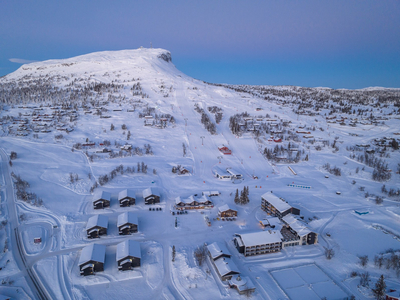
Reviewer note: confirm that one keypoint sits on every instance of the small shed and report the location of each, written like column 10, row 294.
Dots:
column 211, row 193
column 242, row 284
column 182, row 170
column 128, row 255
column 96, row 226
column 92, row 259
column 101, row 199
column 225, row 211
column 224, row 150
column 150, row 196
column 127, row 223
column 126, row 198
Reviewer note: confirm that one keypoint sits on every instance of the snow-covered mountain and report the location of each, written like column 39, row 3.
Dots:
column 105, row 65
column 116, row 120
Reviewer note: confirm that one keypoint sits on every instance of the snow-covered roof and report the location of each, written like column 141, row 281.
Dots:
column 148, row 192
column 126, row 193
column 188, row 200
column 242, row 283
column 296, row 225
column 272, row 221
column 260, row 238
column 225, row 266
column 128, row 248
column 93, row 252
column 102, row 195
column 203, row 199
column 279, row 204
column 127, row 217
column 232, row 172
column 192, row 200
column 221, row 171
column 224, row 207
column 97, row 220
column 217, row 249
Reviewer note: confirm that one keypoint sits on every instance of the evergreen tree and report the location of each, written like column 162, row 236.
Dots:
column 173, row 253
column 237, row 200
column 241, row 198
column 380, row 289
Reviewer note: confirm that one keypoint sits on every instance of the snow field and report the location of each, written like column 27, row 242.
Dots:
column 307, row 282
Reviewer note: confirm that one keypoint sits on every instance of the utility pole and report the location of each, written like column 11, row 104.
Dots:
column 202, row 138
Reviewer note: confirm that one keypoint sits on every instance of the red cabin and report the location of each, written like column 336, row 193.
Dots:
column 225, row 150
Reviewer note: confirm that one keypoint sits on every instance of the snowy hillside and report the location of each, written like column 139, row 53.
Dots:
column 129, row 120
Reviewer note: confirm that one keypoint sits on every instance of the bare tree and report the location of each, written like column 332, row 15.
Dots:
column 329, row 253
column 364, row 279
column 200, row 255
column 363, row 260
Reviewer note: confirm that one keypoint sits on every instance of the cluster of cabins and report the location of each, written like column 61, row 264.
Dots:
column 280, row 231
column 227, row 270
column 126, row 198
column 93, row 257
column 41, row 120
column 97, row 225
column 374, row 120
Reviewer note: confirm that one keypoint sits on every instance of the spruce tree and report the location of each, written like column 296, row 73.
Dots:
column 380, row 289
column 241, row 200
column 237, row 200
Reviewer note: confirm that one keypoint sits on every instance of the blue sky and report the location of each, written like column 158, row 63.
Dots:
column 338, row 44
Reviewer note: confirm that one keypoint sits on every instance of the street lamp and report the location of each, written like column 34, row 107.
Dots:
column 202, row 138
column 219, row 158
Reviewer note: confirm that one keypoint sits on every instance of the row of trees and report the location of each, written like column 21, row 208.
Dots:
column 205, row 120
column 244, row 196
column 21, row 187
column 217, row 111
column 381, row 172
column 335, row 170
column 390, row 261
column 391, row 192
column 104, row 179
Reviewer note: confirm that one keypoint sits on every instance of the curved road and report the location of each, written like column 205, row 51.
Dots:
column 16, row 244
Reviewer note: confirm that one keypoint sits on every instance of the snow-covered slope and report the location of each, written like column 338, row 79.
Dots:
column 110, row 121
column 102, row 65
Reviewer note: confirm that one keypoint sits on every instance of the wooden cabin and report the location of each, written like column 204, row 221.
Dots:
column 226, row 212
column 101, row 200
column 150, row 196
column 96, row 226
column 128, row 255
column 127, row 223
column 92, row 259
column 126, row 198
